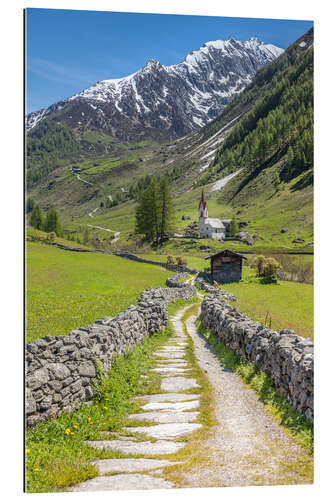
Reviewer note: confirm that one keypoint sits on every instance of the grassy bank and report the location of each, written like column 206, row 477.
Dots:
column 66, row 290
column 285, row 305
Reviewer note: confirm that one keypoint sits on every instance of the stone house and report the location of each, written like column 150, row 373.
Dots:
column 226, row 266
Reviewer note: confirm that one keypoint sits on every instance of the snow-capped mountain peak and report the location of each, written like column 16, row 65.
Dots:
column 166, row 101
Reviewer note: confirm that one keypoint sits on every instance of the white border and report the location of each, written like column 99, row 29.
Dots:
column 11, row 230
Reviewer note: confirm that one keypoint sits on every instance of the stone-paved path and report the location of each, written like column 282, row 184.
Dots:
column 247, row 445
column 174, row 413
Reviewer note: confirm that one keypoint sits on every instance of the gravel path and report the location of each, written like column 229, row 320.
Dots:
column 249, row 447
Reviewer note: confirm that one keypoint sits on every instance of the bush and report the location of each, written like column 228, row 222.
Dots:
column 170, row 259
column 181, row 261
column 51, row 236
column 259, row 264
column 267, row 267
column 271, row 267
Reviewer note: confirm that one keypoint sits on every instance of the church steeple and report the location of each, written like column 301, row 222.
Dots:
column 203, row 209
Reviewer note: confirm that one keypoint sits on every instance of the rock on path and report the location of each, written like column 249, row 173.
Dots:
column 123, row 482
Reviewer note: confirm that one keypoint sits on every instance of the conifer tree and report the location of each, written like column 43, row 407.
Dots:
column 86, row 235
column 167, row 211
column 154, row 213
column 30, row 205
column 234, row 228
column 52, row 222
column 36, row 218
column 145, row 219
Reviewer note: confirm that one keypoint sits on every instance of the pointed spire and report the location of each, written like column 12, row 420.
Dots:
column 203, row 210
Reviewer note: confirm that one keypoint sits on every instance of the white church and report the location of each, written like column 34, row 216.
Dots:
column 208, row 227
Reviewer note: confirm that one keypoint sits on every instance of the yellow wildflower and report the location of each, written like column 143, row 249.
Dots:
column 36, row 469
column 75, row 426
column 106, row 399
column 105, row 407
column 27, row 450
column 68, row 431
column 91, row 422
column 72, row 433
column 89, row 419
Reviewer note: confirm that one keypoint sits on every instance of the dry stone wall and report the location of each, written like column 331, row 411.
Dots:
column 170, row 267
column 176, row 280
column 207, row 287
column 60, row 370
column 287, row 358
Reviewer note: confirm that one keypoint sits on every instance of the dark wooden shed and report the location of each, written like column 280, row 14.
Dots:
column 226, row 266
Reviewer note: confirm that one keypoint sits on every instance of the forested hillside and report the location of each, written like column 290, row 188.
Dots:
column 278, row 129
column 48, row 143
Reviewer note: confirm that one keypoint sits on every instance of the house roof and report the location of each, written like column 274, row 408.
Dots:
column 226, row 251
column 217, row 223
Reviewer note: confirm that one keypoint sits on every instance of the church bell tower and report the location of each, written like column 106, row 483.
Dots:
column 203, row 214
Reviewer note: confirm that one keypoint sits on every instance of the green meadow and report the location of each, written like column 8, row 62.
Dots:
column 66, row 290
column 285, row 305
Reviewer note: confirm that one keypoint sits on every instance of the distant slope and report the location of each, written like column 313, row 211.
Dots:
column 278, row 127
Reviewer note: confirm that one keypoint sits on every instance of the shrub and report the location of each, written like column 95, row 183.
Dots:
column 259, row 264
column 170, row 259
column 267, row 266
column 51, row 236
column 271, row 267
column 181, row 261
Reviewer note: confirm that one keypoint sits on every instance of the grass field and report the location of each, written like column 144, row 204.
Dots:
column 32, row 233
column 288, row 304
column 66, row 290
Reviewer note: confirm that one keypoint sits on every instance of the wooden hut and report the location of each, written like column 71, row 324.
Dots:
column 226, row 266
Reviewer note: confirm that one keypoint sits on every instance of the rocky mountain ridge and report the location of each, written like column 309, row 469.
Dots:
column 164, row 102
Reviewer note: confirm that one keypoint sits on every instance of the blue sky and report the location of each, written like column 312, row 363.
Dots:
column 68, row 50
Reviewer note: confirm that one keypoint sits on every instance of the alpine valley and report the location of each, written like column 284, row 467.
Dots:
column 234, row 118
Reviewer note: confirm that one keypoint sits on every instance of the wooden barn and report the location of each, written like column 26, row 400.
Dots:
column 226, row 266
